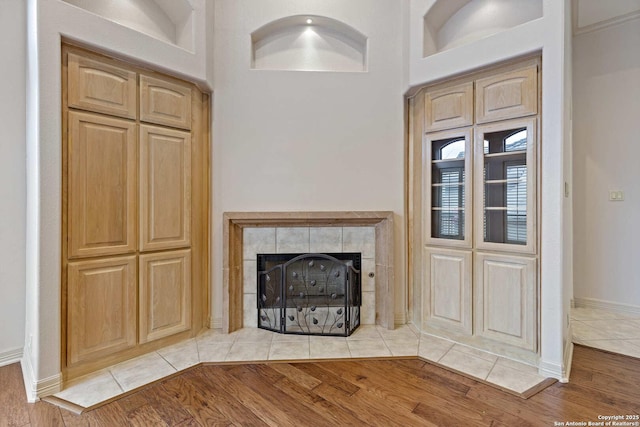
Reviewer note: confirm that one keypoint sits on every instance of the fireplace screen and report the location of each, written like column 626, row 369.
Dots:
column 309, row 294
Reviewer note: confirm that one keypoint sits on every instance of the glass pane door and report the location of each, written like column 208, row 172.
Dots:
column 449, row 156
column 505, row 183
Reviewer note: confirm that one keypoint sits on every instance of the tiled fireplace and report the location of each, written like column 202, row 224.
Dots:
column 250, row 233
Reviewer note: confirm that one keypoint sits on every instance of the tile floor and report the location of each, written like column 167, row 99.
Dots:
column 251, row 344
column 606, row 330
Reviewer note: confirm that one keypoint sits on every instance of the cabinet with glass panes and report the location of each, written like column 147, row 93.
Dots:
column 449, row 156
column 479, row 260
column 504, row 178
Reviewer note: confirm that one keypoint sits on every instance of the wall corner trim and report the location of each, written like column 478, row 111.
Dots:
column 37, row 389
column 555, row 370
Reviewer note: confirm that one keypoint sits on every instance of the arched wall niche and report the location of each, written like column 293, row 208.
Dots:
column 451, row 23
column 308, row 43
column 168, row 20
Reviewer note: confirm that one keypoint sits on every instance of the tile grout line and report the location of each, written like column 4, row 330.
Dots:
column 386, row 345
column 198, row 350
column 445, row 353
column 492, row 367
column 116, row 380
column 165, row 359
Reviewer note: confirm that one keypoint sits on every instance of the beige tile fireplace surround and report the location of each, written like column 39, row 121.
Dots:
column 235, row 223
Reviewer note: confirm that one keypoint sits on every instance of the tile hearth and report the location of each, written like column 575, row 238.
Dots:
column 252, row 345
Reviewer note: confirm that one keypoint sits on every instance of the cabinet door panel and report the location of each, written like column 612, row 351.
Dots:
column 449, row 108
column 508, row 95
column 449, row 289
column 447, row 187
column 506, row 299
column 505, row 186
column 101, row 185
column 165, row 102
column 104, row 88
column 165, row 188
column 165, row 294
column 101, row 311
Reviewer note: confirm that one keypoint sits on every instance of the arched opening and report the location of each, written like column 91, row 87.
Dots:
column 309, row 43
column 451, row 23
column 167, row 20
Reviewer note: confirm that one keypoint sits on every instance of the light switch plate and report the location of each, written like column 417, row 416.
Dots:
column 616, row 195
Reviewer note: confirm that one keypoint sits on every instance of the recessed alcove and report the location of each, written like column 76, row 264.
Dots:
column 452, row 23
column 168, row 20
column 309, row 43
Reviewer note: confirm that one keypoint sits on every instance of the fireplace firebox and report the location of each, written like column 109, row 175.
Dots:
column 309, row 294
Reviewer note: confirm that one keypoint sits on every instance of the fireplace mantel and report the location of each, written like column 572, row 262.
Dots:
column 235, row 222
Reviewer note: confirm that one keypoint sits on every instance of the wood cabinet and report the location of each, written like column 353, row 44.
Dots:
column 449, row 108
column 505, row 299
column 507, row 95
column 447, row 172
column 101, row 307
column 165, row 294
column 101, row 86
column 165, row 188
column 165, row 101
column 477, row 208
column 135, row 191
column 505, row 186
column 102, row 185
column 448, row 304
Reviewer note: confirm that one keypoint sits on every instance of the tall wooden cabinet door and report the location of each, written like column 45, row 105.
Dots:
column 448, row 299
column 165, row 294
column 165, row 102
column 506, row 299
column 165, row 188
column 507, row 95
column 449, row 108
column 101, row 87
column 101, row 310
column 101, row 185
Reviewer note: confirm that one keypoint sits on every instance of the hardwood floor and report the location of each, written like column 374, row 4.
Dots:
column 345, row 393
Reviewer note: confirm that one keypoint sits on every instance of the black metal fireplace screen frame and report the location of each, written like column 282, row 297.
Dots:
column 309, row 294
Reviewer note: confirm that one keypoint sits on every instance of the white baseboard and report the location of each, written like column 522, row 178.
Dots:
column 28, row 377
column 615, row 307
column 36, row 389
column 550, row 370
column 11, row 356
column 554, row 370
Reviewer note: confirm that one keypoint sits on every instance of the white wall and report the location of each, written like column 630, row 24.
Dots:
column 606, row 151
column 13, row 177
column 304, row 141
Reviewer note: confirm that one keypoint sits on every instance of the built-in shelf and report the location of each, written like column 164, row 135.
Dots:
column 514, row 154
column 167, row 20
column 309, row 43
column 452, row 23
